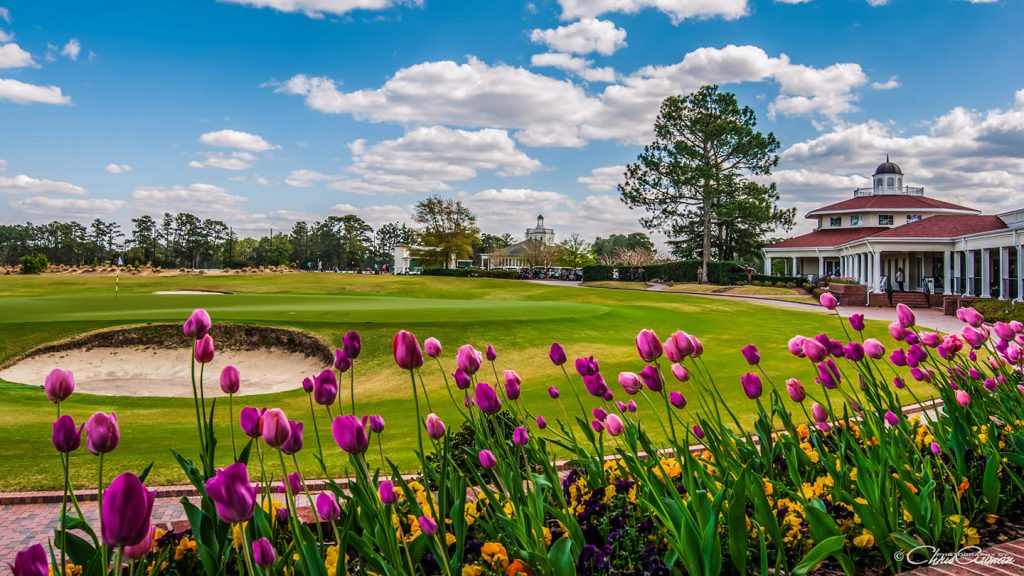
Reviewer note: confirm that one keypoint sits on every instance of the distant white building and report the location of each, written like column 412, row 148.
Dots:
column 407, row 261
column 541, row 234
column 515, row 256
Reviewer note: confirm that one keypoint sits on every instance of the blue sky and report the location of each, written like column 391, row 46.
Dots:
column 261, row 112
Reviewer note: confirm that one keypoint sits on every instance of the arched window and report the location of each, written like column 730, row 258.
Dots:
column 878, row 183
column 891, row 182
column 899, row 182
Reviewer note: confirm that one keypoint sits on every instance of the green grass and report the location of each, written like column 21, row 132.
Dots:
column 520, row 319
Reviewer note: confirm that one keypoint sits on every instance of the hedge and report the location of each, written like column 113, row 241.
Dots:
column 999, row 310
column 471, row 273
column 726, row 273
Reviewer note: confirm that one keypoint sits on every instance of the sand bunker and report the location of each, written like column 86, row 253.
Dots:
column 153, row 360
column 189, row 292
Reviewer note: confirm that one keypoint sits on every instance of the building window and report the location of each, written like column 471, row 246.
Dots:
column 819, row 223
column 890, row 182
column 835, row 221
column 885, row 220
column 913, row 218
column 856, row 220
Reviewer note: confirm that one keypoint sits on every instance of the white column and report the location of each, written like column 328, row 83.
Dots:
column 1004, row 272
column 947, row 274
column 876, row 268
column 861, row 265
column 986, row 273
column 957, row 274
column 794, row 266
column 969, row 273
column 767, row 265
column 821, row 265
column 1020, row 274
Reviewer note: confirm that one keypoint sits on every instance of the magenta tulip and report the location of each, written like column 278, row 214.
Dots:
column 520, row 436
column 828, row 300
column 874, row 349
column 599, row 414
column 648, row 345
column 557, row 354
column 427, row 526
column 970, row 316
column 263, row 553
column 462, row 380
column 342, row 363
column 66, row 438
column 292, row 483
column 678, row 346
column 491, row 353
column 275, row 428
column 976, row 337
column 229, row 380
column 597, row 425
column 931, row 339
column 350, row 434
column 698, row 431
column 325, row 388
column 614, row 425
column 138, row 551
column 352, row 344
column 126, row 511
column 854, row 352
column 553, row 392
column 204, row 350
column 677, row 399
column 751, row 354
column 294, row 442
column 680, row 372
column 387, row 493
column 487, row 459
column 813, row 349
column 857, row 322
column 468, row 359
column 819, row 412
column 30, row 562
column 435, row 427
column 308, row 384
column 652, row 378
column 59, row 385
column 432, row 347
column 487, row 399
column 198, row 324
column 891, row 418
column 630, row 382
column 905, row 316
column 250, row 421
column 751, row 385
column 327, row 507
column 407, row 351
column 898, row 332
column 796, row 390
column 376, row 424
column 512, row 384
column 962, row 398
column 587, row 366
column 796, row 346
column 542, row 423
column 102, row 433
column 698, row 347
column 936, row 449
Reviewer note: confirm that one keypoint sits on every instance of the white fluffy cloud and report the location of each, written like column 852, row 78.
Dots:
column 318, row 8
column 68, row 208
column 24, row 93
column 604, row 179
column 677, row 10
column 546, row 111
column 71, row 49
column 205, row 200
column 583, row 37
column 891, row 84
column 113, row 168
column 234, row 161
column 376, row 215
column 237, row 139
column 5, row 14
column 574, row 64
column 22, row 184
column 13, row 56
column 306, row 178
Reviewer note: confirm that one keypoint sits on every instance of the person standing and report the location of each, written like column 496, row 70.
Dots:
column 899, row 279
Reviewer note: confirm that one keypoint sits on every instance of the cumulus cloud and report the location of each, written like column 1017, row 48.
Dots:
column 318, row 8
column 677, row 10
column 234, row 161
column 22, row 184
column 24, row 93
column 202, row 199
column 71, row 49
column 237, row 139
column 13, row 56
column 604, row 179
column 891, row 84
column 582, row 37
column 574, row 64
column 68, row 208
column 545, row 111
column 376, row 215
column 5, row 14
column 305, row 178
column 113, row 168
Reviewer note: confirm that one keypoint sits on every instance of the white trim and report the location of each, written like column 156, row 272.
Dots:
column 886, row 211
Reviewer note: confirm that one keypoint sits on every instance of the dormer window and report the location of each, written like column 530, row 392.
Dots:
column 856, row 220
column 885, row 220
column 913, row 218
column 835, row 221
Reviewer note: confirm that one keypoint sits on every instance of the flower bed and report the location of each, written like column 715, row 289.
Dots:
column 843, row 483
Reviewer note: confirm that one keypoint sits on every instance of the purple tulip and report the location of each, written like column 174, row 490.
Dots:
column 608, row 396
column 854, row 352
column 892, row 418
column 144, row 547
column 648, row 345
column 291, row 482
column 553, row 392
column 677, row 399
column 557, row 354
column 342, row 363
column 387, row 493
column 487, row 399
column 462, row 380
column 828, row 374
column 680, row 372
column 249, row 420
column 813, row 349
column 294, row 442
column 229, row 380
column 435, row 426
column 857, row 322
column 263, row 553
column 407, row 351
column 542, row 423
column 427, row 526
column 468, row 359
column 970, row 316
column 874, row 349
column 652, row 378
column 351, row 344
column 936, row 449
column 898, row 357
column 631, row 406
column 751, row 385
column 587, row 366
column 698, row 431
column 597, row 426
column 520, row 436
column 350, row 434
column 630, row 382
column 275, row 427
column 974, row 336
column 376, row 424
column 492, row 354
column 432, row 347
column 325, row 388
column 898, row 382
column 102, row 433
column 126, row 511
column 962, row 398
column 204, row 349
column 599, row 413
column 487, row 459
column 796, row 346
column 198, row 324
column 698, row 347
column 828, row 300
column 930, row 339
column 30, row 562
column 66, row 438
column 595, row 385
column 678, row 346
column 308, row 384
column 512, row 384
column 905, row 316
column 327, row 507
column 614, row 425
column 796, row 390
column 751, row 354
column 59, row 385
column 819, row 412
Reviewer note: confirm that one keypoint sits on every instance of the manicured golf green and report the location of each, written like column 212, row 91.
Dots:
column 520, row 319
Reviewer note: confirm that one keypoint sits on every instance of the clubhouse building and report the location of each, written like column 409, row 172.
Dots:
column 942, row 249
column 517, row 256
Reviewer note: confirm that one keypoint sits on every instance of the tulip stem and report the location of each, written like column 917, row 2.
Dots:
column 316, row 430
column 309, row 498
column 65, row 460
column 195, row 400
column 231, row 421
column 419, row 420
column 246, row 550
column 99, row 505
column 352, row 386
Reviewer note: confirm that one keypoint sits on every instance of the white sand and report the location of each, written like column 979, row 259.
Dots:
column 189, row 292
column 141, row 371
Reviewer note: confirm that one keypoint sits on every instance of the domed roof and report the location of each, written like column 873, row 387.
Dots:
column 888, row 167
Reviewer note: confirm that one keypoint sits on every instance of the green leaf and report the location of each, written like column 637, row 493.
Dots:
column 560, row 556
column 737, row 523
column 822, row 550
column 990, row 484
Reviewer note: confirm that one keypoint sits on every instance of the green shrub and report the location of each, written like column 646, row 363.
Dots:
column 1000, row 310
column 471, row 273
column 34, row 264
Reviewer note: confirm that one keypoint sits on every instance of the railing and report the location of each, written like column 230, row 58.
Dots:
column 887, row 191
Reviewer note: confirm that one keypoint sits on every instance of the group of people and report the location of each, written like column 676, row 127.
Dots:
column 377, row 268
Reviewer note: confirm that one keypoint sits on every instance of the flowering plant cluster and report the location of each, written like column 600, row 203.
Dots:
column 831, row 471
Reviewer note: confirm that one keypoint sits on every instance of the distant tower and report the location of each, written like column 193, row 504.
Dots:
column 888, row 178
column 540, row 233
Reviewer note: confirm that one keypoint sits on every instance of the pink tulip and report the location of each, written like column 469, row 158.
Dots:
column 204, row 349
column 350, row 434
column 898, row 332
column 432, row 347
column 520, row 436
column 1003, row 331
column 487, row 459
column 698, row 347
column 198, row 324
column 796, row 390
column 970, row 316
column 614, row 425
column 229, row 380
column 435, row 426
column 751, row 385
column 974, row 336
column 751, row 354
column 387, row 493
column 905, row 316
column 630, row 382
column 819, row 412
column 678, row 346
column 814, row 350
column 59, row 385
column 677, row 399
column 962, row 398
column 648, row 345
column 275, row 427
column 680, row 372
column 796, row 346
column 144, row 547
column 407, row 351
column 102, row 433
column 874, row 349
column 468, row 359
column 828, row 300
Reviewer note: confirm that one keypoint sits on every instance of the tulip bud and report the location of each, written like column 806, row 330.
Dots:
column 294, row 442
column 327, row 507
column 198, row 324
column 487, row 399
column 468, row 359
column 678, row 346
column 407, row 351
column 796, row 390
column 614, row 425
column 680, row 372
column 796, row 346
column 204, row 350
column 145, row 546
column 874, row 349
column 350, row 434
column 376, row 424
column 542, row 423
column 597, row 426
column 857, row 322
column 751, row 354
column 904, row 315
column 854, row 352
column 630, row 382
column 677, row 399
column 249, row 420
column 462, row 380
column 631, row 406
column 970, row 316
column 648, row 345
column 962, row 398
column 325, row 388
column 595, row 385
column 651, row 378
column 813, row 349
column 520, row 436
column 275, row 427
column 291, row 483
column 553, row 392
column 432, row 347
column 102, row 433
column 229, row 380
column 492, row 354
column 751, row 385
column 307, row 384
column 828, row 301
column 819, row 412
column 698, row 431
column 66, row 438
column 427, row 525
column 936, row 449
column 59, row 385
column 342, row 363
column 487, row 459
column 126, row 511
column 587, row 366
column 512, row 384
column 435, row 426
column 891, row 418
column 30, row 562
column 557, row 354
column 387, row 493
column 351, row 344
column 263, row 553
column 898, row 382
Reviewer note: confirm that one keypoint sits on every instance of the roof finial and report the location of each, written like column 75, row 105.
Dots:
column 887, row 158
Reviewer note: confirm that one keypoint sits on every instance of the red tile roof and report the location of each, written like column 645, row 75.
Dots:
column 890, row 202
column 945, row 226
column 828, row 237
